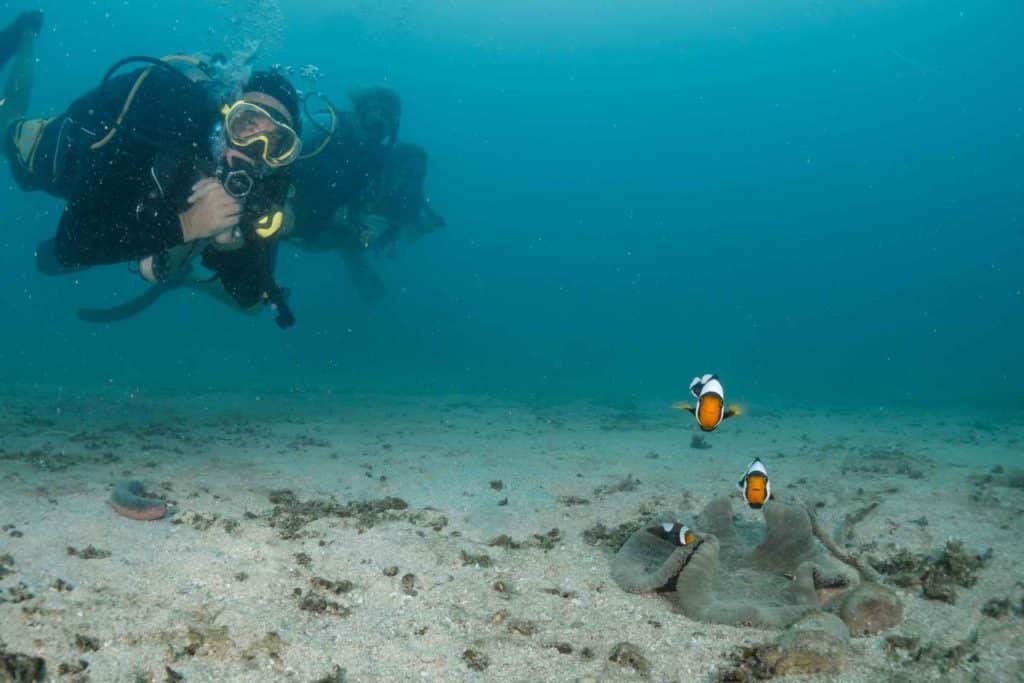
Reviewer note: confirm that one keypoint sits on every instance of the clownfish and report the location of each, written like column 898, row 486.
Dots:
column 710, row 409
column 674, row 532
column 756, row 488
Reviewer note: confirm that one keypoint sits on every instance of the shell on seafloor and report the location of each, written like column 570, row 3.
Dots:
column 144, row 514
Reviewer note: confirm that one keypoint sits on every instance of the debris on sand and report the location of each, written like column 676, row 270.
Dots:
column 290, row 514
column 628, row 655
column 939, row 573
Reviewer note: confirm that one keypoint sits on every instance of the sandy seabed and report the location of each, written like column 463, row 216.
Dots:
column 315, row 537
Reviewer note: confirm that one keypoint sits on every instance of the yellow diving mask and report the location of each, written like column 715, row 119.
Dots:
column 247, row 124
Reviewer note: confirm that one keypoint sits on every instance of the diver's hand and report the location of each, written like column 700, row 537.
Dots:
column 147, row 269
column 229, row 240
column 279, row 304
column 374, row 225
column 213, row 211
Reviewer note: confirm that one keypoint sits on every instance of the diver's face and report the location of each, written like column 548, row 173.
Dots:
column 236, row 158
column 271, row 102
column 251, row 125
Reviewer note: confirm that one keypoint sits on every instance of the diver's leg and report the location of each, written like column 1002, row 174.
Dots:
column 47, row 262
column 168, row 264
column 10, row 37
column 215, row 290
column 19, row 39
column 367, row 283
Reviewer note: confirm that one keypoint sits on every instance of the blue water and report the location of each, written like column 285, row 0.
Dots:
column 819, row 201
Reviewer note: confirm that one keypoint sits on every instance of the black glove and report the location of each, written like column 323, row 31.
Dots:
column 279, row 300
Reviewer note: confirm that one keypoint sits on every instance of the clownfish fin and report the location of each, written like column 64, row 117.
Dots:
column 682, row 405
column 734, row 410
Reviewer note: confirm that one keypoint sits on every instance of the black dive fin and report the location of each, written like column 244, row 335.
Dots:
column 126, row 310
column 134, row 306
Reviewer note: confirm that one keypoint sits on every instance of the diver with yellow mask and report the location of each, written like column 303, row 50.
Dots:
column 158, row 166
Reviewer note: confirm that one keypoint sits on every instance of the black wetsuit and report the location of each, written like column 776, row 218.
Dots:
column 125, row 190
column 341, row 175
column 408, row 209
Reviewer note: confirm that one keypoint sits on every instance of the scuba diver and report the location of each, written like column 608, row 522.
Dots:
column 162, row 164
column 400, row 200
column 360, row 189
column 393, row 207
column 349, row 161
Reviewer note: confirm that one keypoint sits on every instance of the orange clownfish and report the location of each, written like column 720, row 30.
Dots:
column 710, row 409
column 674, row 532
column 756, row 488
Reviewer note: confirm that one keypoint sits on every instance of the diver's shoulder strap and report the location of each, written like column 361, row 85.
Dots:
column 196, row 67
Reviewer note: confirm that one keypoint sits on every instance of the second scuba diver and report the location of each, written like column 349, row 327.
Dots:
column 361, row 189
column 163, row 163
column 392, row 206
column 349, row 162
